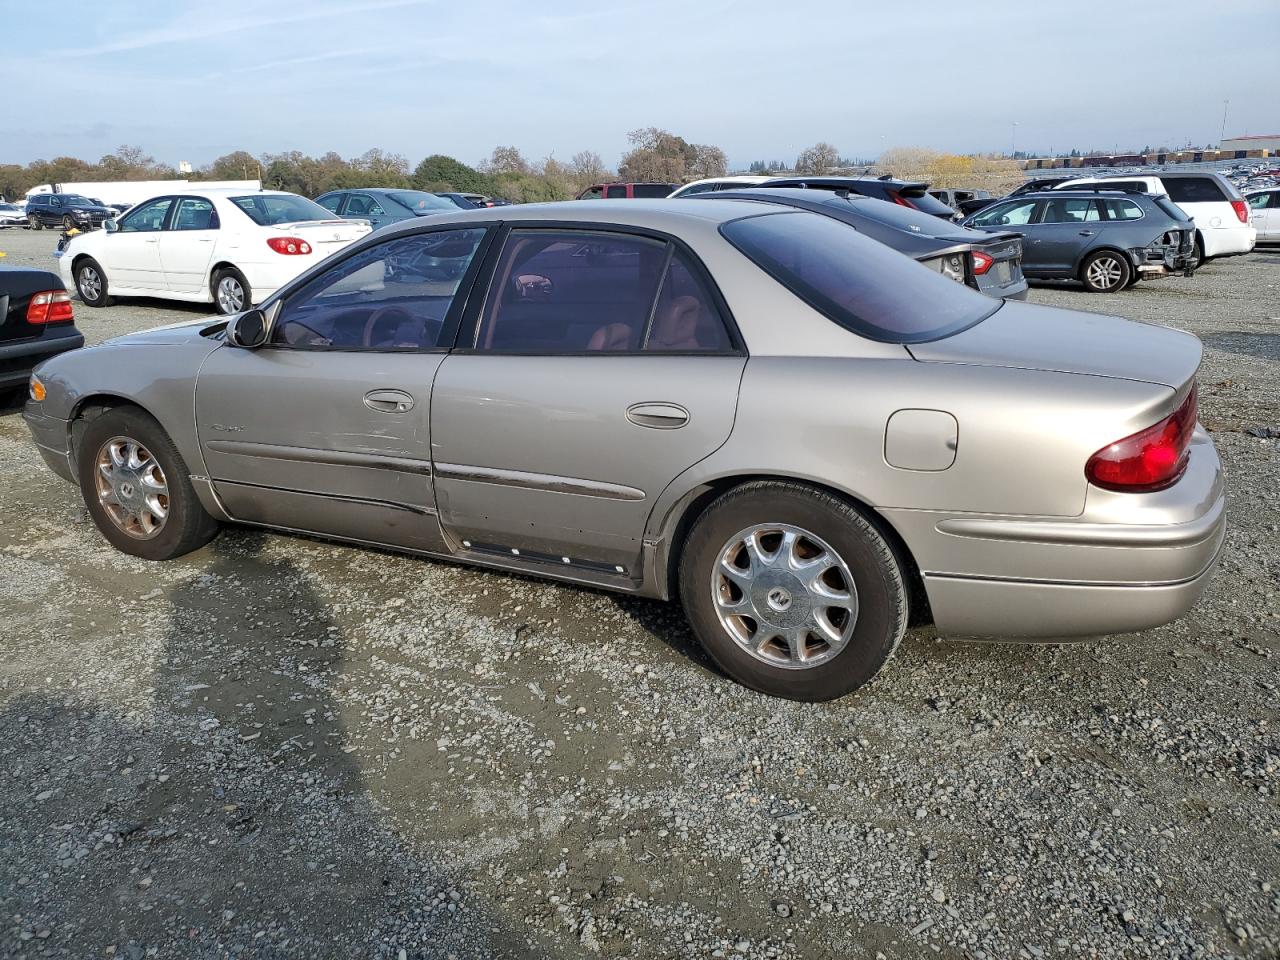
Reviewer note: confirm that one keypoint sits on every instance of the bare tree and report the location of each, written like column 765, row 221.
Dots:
column 588, row 167
column 818, row 160
column 708, row 161
column 506, row 160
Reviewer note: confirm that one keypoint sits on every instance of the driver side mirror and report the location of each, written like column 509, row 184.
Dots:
column 110, row 225
column 248, row 330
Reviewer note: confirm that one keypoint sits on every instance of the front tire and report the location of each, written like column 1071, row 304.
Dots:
column 231, row 292
column 36, row 223
column 1106, row 272
column 68, row 224
column 138, row 489
column 91, row 283
column 792, row 591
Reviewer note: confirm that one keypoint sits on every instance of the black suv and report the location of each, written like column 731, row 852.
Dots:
column 905, row 193
column 65, row 210
column 1106, row 239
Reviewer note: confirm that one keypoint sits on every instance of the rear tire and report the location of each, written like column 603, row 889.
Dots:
column 1106, row 272
column 124, row 499
column 68, row 224
column 91, row 283
column 231, row 292
column 811, row 621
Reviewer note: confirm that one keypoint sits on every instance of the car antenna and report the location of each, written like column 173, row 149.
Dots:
column 843, row 193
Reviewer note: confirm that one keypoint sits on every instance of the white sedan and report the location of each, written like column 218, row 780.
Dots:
column 13, row 215
column 226, row 247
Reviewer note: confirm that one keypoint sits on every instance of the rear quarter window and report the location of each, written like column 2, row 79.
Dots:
column 1194, row 190
column 862, row 285
column 651, row 191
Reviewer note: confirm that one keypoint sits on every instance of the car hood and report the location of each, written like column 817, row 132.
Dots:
column 180, row 332
column 1032, row 337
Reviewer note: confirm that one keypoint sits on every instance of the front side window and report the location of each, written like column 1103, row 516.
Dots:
column 331, row 202
column 1258, row 201
column 569, row 292
column 699, row 188
column 1122, row 209
column 363, row 205
column 616, row 191
column 147, row 218
column 858, row 283
column 270, row 209
column 1070, row 211
column 195, row 213
column 592, row 193
column 1006, row 214
column 392, row 296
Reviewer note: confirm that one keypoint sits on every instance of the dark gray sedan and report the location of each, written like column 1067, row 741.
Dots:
column 381, row 207
column 990, row 262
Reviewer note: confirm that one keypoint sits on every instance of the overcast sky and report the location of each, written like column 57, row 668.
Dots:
column 190, row 80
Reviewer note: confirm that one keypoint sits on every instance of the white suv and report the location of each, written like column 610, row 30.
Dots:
column 1220, row 213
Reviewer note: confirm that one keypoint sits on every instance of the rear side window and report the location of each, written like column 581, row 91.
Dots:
column 617, row 191
column 1070, row 211
column 570, row 292
column 1194, row 190
column 651, row 191
column 862, row 285
column 1122, row 210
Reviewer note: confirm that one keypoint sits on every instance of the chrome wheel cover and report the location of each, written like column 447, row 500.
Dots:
column 784, row 595
column 230, row 295
column 89, row 282
column 1105, row 272
column 131, row 488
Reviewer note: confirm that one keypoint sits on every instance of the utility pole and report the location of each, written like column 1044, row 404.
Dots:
column 1013, row 141
column 1224, row 123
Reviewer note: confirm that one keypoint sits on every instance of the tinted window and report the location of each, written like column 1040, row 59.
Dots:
column 331, row 202
column 195, row 213
column 417, row 200
column 1069, row 211
column 860, row 284
column 686, row 318
column 268, row 209
column 570, row 292
column 616, row 192
column 701, row 188
column 1137, row 185
column 392, row 296
column 1122, row 210
column 651, row 191
column 363, row 205
column 1193, row 190
column 1006, row 214
column 592, row 193
column 147, row 218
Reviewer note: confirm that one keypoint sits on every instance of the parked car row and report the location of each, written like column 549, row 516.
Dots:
column 802, row 435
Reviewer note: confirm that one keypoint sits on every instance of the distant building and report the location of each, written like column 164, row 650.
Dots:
column 1269, row 142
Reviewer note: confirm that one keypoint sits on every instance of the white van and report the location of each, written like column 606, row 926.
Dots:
column 1212, row 201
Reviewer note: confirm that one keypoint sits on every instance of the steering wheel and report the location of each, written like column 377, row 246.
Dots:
column 380, row 314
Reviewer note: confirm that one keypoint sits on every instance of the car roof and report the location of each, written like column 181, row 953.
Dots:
column 1077, row 194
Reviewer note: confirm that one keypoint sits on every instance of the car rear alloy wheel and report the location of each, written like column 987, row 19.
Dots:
column 132, row 488
column 91, row 284
column 137, row 487
column 784, row 595
column 792, row 590
column 1106, row 271
column 231, row 292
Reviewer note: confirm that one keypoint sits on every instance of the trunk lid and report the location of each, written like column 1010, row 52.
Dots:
column 326, row 234
column 17, row 286
column 1032, row 337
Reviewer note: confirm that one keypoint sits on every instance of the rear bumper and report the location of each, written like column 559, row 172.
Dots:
column 18, row 359
column 1129, row 562
column 1228, row 240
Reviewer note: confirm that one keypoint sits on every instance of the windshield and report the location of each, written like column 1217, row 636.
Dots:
column 417, row 200
column 857, row 282
column 267, row 209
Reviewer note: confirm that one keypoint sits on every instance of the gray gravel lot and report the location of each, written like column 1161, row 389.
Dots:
column 280, row 747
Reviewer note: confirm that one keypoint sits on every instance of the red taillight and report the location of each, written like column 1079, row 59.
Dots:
column 289, row 246
column 1242, row 210
column 900, row 200
column 1151, row 459
column 982, row 262
column 51, row 306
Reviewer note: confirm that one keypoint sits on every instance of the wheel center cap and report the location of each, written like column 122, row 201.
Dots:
column 779, row 599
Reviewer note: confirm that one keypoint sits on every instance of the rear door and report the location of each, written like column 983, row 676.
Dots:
column 131, row 255
column 1067, row 227
column 601, row 366
column 186, row 247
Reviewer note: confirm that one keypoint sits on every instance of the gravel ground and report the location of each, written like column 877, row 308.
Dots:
column 279, row 747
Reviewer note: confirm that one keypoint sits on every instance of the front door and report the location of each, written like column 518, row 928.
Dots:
column 132, row 253
column 326, row 428
column 601, row 367
column 186, row 248
column 1066, row 227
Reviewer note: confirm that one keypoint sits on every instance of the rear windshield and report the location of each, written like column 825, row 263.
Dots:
column 1194, row 190
column 860, row 284
column 1171, row 208
column 267, row 209
column 895, row 215
column 418, row 200
column 928, row 204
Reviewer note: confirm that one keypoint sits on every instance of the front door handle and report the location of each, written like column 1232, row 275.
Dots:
column 1087, row 233
column 659, row 416
column 388, row 401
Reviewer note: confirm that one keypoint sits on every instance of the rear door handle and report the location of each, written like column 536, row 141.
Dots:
column 659, row 416
column 388, row 401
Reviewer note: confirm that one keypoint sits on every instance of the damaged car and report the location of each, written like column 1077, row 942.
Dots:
column 1107, row 239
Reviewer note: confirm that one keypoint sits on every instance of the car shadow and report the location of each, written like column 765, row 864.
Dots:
column 1265, row 346
column 231, row 817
